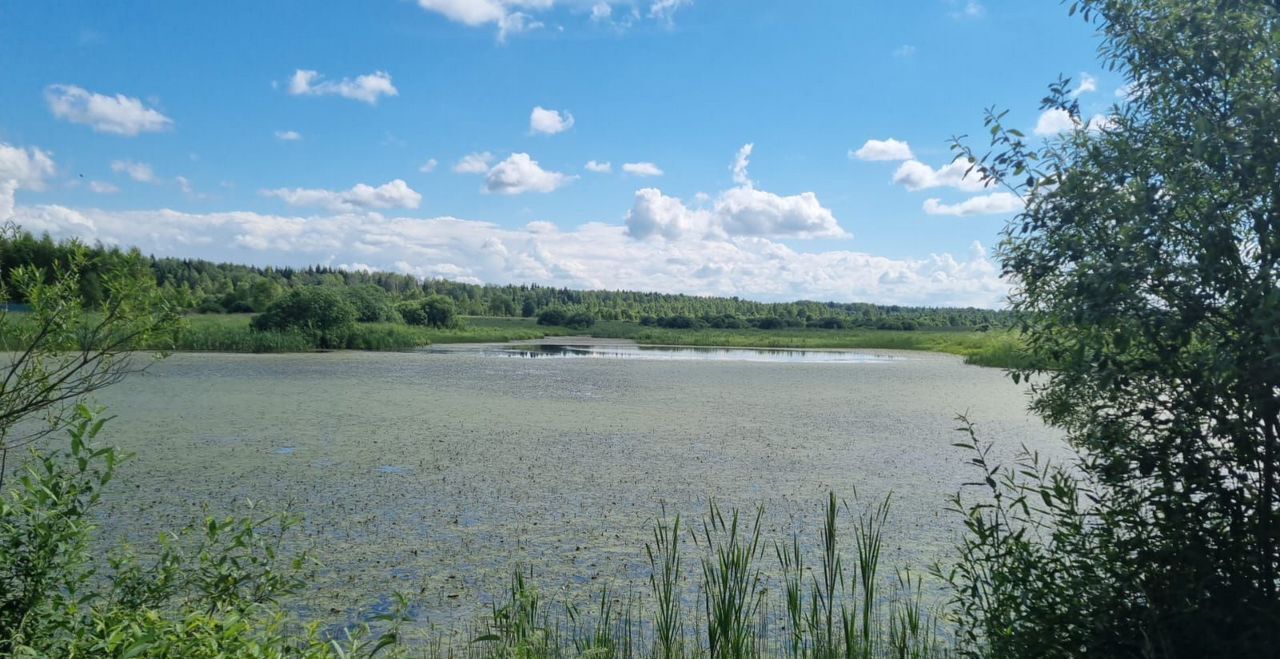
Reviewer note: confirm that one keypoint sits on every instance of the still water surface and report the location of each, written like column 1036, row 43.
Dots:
column 437, row 472
column 626, row 350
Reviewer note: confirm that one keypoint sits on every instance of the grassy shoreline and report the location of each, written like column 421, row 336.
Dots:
column 231, row 333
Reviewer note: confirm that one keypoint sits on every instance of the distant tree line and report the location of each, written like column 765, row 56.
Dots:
column 208, row 287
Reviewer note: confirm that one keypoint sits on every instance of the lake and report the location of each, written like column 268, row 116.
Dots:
column 437, row 472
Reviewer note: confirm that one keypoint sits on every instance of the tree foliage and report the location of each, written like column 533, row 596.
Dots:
column 323, row 314
column 1145, row 266
column 207, row 287
column 433, row 311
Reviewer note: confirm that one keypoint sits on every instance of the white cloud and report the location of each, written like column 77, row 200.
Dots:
column 474, row 163
column 654, row 213
column 362, row 197
column 740, row 164
column 366, row 88
column 429, row 166
column 915, row 175
column 1100, row 122
column 889, row 149
column 739, row 211
column 117, row 115
column 138, row 171
column 102, row 187
column 594, row 255
column 641, row 169
column 184, row 185
column 24, row 169
column 1054, row 121
column 988, row 204
column 1087, row 84
column 288, row 135
column 549, row 122
column 904, row 51
column 516, row 16
column 520, row 173
column 507, row 15
column 746, row 211
column 666, row 9
column 970, row 9
column 599, row 167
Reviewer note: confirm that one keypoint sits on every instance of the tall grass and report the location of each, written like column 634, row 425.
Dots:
column 232, row 333
column 832, row 606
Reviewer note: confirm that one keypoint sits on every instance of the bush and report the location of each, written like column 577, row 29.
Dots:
column 552, row 316
column 372, row 304
column 432, row 311
column 210, row 305
column 564, row 317
column 580, row 320
column 322, row 314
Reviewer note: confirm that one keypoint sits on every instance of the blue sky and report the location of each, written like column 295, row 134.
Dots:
column 292, row 133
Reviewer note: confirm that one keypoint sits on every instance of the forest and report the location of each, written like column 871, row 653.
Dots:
column 213, row 288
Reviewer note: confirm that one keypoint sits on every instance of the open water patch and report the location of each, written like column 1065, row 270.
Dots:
column 671, row 353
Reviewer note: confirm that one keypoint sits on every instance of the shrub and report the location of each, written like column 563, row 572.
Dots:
column 567, row 317
column 372, row 304
column 432, row 311
column 323, row 314
column 580, row 320
column 552, row 316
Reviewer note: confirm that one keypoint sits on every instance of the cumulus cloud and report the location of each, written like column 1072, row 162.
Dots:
column 740, row 164
column 641, row 169
column 21, row 168
column 656, row 214
column 510, row 16
column 138, row 171
column 366, row 88
column 428, row 166
column 288, row 135
column 889, row 149
column 739, row 211
column 746, row 211
column 666, row 9
column 362, row 197
column 516, row 16
column 594, row 255
column 102, row 187
column 27, row 168
column 474, row 163
column 988, row 204
column 116, row 115
column 549, row 122
column 1087, row 84
column 1054, row 121
column 599, row 167
column 520, row 173
column 915, row 175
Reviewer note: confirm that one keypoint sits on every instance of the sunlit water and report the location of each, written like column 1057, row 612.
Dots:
column 437, row 472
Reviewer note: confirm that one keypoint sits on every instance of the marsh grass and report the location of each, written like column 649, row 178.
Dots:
column 832, row 606
column 232, row 333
